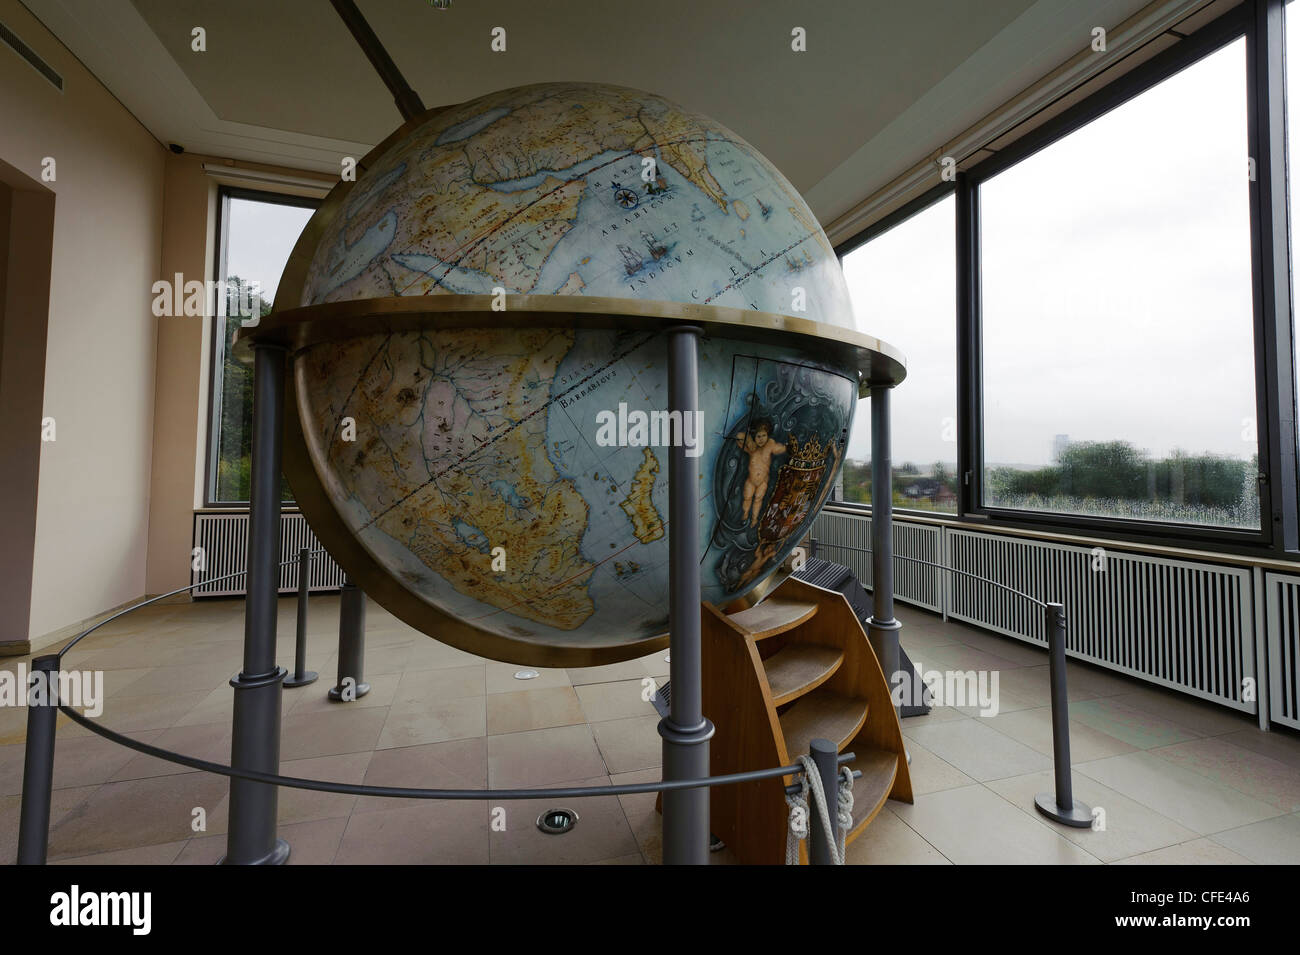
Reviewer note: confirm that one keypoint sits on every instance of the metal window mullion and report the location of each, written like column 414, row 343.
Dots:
column 1271, row 273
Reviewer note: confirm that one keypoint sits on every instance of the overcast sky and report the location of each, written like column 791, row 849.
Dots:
column 261, row 236
column 1116, row 287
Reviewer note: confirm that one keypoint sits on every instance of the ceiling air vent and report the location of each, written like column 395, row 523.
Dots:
column 31, row 56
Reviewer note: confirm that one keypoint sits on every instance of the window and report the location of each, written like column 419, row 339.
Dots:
column 1117, row 316
column 903, row 286
column 257, row 234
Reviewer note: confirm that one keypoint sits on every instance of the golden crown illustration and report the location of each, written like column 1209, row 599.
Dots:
column 810, row 454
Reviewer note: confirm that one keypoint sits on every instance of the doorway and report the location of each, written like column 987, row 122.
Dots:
column 26, row 247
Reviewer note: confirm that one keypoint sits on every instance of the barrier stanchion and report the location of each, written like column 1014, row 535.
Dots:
column 352, row 645
column 38, row 764
column 826, row 757
column 1060, row 805
column 301, row 675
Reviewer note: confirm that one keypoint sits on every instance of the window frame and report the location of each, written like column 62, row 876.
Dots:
column 1236, row 24
column 216, row 339
column 1261, row 23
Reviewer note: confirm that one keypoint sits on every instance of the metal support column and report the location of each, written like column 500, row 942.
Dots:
column 882, row 628
column 256, row 725
column 301, row 675
column 1060, row 805
column 685, row 731
column 38, row 763
column 351, row 684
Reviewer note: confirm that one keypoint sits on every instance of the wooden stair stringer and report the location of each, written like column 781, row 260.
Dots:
column 737, row 699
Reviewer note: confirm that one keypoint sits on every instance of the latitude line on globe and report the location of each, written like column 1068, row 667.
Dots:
column 755, row 269
column 502, row 433
column 474, row 243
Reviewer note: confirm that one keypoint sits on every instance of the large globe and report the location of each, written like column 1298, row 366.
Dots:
column 502, row 483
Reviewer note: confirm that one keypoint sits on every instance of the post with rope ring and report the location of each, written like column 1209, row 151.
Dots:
column 825, row 829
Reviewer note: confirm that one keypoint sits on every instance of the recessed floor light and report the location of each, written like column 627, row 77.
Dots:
column 557, row 821
column 526, row 674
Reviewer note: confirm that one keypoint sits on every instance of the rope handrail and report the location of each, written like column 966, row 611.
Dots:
column 951, row 570
column 360, row 789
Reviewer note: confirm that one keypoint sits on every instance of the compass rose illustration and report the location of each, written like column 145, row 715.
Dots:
column 625, row 197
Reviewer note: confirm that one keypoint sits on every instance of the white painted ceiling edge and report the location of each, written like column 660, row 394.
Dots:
column 1065, row 61
column 965, row 108
column 159, row 94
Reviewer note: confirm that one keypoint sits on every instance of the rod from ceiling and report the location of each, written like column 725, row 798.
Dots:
column 408, row 101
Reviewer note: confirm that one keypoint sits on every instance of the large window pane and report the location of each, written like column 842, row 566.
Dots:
column 903, row 286
column 1117, row 312
column 259, row 237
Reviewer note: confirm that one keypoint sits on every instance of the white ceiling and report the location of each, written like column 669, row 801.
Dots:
column 882, row 84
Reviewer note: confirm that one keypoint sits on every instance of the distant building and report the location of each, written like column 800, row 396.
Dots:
column 1059, row 444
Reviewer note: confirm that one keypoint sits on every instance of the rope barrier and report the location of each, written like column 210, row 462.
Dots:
column 798, row 802
column 930, row 563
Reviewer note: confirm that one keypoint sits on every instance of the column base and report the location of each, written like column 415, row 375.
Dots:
column 336, row 694
column 279, row 855
column 1080, row 816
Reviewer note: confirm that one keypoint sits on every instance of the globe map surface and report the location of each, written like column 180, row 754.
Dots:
column 479, row 477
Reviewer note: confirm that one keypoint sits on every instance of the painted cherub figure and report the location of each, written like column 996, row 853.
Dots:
column 758, row 444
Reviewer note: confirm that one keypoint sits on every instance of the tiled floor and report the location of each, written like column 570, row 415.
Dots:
column 1179, row 781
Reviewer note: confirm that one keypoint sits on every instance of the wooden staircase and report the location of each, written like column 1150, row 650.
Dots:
column 777, row 676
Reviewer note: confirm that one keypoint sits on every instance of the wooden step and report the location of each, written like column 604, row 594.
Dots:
column 774, row 615
column 879, row 768
column 798, row 668
column 824, row 714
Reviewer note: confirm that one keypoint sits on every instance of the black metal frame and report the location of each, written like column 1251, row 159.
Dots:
column 224, row 195
column 1261, row 23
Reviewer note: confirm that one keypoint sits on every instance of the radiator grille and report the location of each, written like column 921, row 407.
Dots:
column 1283, row 626
column 224, row 539
column 1183, row 624
column 1177, row 623
column 914, row 583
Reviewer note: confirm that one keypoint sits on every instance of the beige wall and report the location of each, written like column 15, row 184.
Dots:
column 128, row 390
column 93, row 502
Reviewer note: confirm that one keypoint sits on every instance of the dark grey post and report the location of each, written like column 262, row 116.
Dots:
column 685, row 730
column 38, row 765
column 1061, row 805
column 256, row 725
column 352, row 644
column 882, row 628
column 301, row 675
column 827, row 758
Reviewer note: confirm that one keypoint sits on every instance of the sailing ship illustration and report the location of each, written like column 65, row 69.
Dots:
column 634, row 261
column 631, row 260
column 657, row 249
